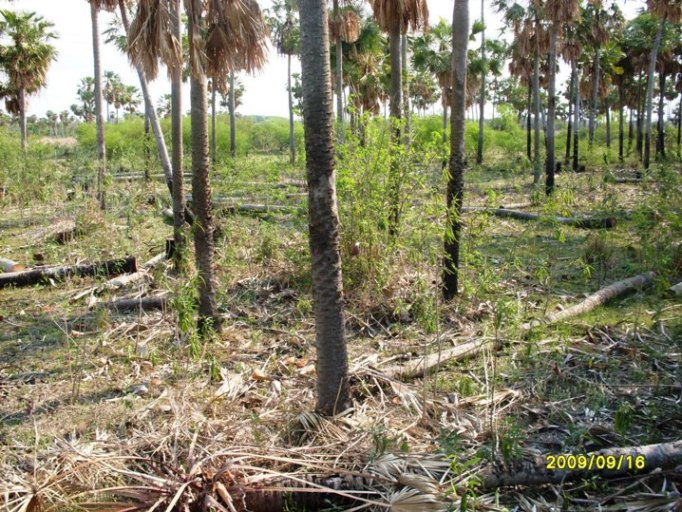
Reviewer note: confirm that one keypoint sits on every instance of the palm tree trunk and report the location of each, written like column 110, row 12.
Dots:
column 650, row 92
column 147, row 148
column 607, row 110
column 576, row 121
column 640, row 118
column 679, row 127
column 551, row 113
column 569, row 123
column 201, row 189
column 660, row 139
column 22, row 119
column 444, row 100
column 99, row 116
column 595, row 94
column 177, row 188
column 455, row 190
column 621, row 121
column 536, row 115
column 631, row 132
column 529, row 139
column 339, row 77
column 214, row 139
column 330, row 336
column 406, row 89
column 395, row 112
column 292, row 134
column 481, row 99
column 153, row 117
column 233, row 119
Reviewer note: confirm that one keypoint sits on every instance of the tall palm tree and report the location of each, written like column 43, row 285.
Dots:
column 455, row 191
column 95, row 7
column 287, row 38
column 332, row 358
column 481, row 101
column 26, row 61
column 396, row 18
column 559, row 13
column 155, row 34
column 665, row 11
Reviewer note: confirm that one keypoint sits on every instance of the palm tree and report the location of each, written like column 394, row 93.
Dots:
column 396, row 18
column 95, row 7
column 560, row 13
column 332, row 358
column 481, row 101
column 455, row 191
column 666, row 11
column 26, row 61
column 286, row 36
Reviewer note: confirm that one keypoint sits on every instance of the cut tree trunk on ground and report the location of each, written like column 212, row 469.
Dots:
column 626, row 461
column 154, row 302
column 43, row 274
column 10, row 266
column 141, row 275
column 676, row 290
column 576, row 222
column 621, row 181
column 424, row 365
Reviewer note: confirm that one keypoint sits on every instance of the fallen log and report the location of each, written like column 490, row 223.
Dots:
column 608, row 463
column 154, row 302
column 576, row 222
column 141, row 275
column 10, row 266
column 424, row 365
column 43, row 274
column 675, row 290
column 595, row 300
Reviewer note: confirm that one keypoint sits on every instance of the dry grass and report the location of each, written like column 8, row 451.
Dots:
column 116, row 412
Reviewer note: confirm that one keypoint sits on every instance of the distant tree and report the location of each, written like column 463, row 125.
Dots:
column 64, row 120
column 53, row 119
column 285, row 33
column 85, row 109
column 25, row 61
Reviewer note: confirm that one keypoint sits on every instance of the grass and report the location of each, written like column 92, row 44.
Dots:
column 609, row 378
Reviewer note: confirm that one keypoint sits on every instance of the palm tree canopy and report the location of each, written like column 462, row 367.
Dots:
column 27, row 59
column 400, row 15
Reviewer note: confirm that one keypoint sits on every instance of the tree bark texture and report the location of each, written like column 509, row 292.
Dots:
column 595, row 94
column 201, row 189
column 576, row 122
column 650, row 93
column 481, row 98
column 455, row 186
column 551, row 113
column 99, row 115
column 323, row 217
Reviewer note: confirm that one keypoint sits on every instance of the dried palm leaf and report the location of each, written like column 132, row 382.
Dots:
column 151, row 38
column 400, row 15
column 236, row 38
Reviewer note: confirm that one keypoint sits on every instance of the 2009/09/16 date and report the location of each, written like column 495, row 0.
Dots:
column 592, row 461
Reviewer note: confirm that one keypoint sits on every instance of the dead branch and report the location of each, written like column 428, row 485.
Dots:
column 43, row 274
column 675, row 290
column 625, row 461
column 10, row 266
column 419, row 367
column 141, row 275
column 160, row 301
column 576, row 222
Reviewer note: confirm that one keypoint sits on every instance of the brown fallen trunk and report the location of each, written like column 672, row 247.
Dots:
column 154, row 302
column 675, row 290
column 423, row 365
column 576, row 222
column 10, row 266
column 141, row 275
column 626, row 461
column 43, row 274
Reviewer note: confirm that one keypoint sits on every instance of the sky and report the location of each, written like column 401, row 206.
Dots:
column 265, row 92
